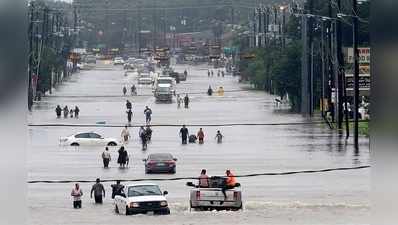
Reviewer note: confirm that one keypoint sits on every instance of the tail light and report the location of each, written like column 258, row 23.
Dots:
column 197, row 195
column 235, row 195
column 170, row 163
column 151, row 163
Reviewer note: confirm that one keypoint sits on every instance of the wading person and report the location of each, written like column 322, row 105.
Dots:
column 98, row 190
column 201, row 136
column 209, row 91
column 106, row 157
column 77, row 110
column 58, row 111
column 71, row 112
column 148, row 132
column 219, row 137
column 148, row 115
column 117, row 189
column 184, row 134
column 77, row 194
column 186, row 101
column 125, row 135
column 179, row 100
column 129, row 115
column 143, row 136
column 122, row 158
column 66, row 112
column 124, row 90
column 133, row 90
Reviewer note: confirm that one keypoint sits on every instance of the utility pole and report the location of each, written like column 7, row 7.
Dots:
column 254, row 29
column 265, row 23
column 329, row 60
column 340, row 63
column 260, row 26
column 30, row 67
column 283, row 27
column 322, row 47
column 356, row 72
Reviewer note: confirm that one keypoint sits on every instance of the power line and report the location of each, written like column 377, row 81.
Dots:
column 196, row 178
column 179, row 125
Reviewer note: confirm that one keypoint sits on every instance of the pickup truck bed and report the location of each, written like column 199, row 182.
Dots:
column 213, row 198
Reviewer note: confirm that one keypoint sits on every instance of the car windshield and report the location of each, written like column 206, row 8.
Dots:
column 143, row 190
column 161, row 157
column 164, row 81
column 163, row 89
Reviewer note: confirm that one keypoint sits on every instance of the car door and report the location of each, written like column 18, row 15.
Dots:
column 82, row 139
column 95, row 139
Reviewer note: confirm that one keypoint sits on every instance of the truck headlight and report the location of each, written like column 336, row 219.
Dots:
column 163, row 203
column 134, row 205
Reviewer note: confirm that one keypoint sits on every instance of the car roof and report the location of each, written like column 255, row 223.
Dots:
column 154, row 155
column 164, row 85
column 140, row 184
column 165, row 78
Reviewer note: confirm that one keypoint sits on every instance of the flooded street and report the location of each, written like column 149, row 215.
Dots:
column 340, row 197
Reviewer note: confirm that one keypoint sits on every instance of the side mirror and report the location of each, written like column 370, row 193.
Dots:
column 165, row 193
column 144, row 160
column 175, row 159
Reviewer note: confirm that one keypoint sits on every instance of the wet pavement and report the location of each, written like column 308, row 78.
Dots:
column 340, row 197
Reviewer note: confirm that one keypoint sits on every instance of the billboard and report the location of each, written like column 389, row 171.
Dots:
column 364, row 55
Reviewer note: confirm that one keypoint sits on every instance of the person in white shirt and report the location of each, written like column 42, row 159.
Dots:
column 125, row 135
column 106, row 157
column 77, row 193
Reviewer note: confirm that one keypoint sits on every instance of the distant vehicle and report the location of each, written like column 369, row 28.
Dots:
column 212, row 197
column 145, row 80
column 160, row 163
column 89, row 138
column 141, row 198
column 129, row 73
column 166, row 71
column 165, row 80
column 181, row 76
column 118, row 61
column 164, row 93
column 90, row 59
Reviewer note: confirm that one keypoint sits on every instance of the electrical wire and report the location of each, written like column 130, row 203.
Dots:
column 196, row 178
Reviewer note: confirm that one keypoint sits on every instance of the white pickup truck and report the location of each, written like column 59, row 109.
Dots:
column 141, row 198
column 212, row 197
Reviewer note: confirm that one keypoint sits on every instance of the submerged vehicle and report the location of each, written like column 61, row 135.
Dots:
column 212, row 197
column 141, row 198
column 164, row 93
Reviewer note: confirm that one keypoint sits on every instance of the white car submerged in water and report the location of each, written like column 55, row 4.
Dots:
column 89, row 138
column 141, row 198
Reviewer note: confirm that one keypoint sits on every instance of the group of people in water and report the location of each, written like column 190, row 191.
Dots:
column 98, row 189
column 133, row 90
column 147, row 113
column 200, row 136
column 67, row 112
column 210, row 73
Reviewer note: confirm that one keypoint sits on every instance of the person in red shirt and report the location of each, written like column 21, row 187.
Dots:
column 201, row 136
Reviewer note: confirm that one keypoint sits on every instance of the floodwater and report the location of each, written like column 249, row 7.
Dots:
column 340, row 197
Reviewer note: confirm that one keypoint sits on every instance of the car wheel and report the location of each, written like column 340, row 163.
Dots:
column 173, row 171
column 116, row 209
column 147, row 171
column 127, row 211
column 74, row 144
column 112, row 144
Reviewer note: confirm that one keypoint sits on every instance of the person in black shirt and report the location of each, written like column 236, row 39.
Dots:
column 184, row 134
